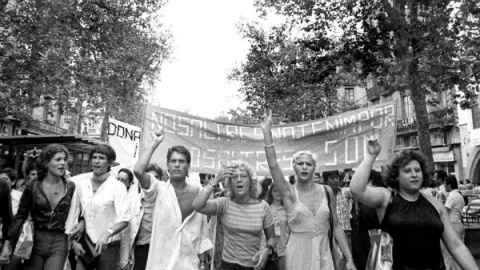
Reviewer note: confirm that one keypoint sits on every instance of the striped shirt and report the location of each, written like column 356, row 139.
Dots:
column 242, row 229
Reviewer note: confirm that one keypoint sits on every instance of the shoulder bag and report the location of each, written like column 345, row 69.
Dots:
column 24, row 243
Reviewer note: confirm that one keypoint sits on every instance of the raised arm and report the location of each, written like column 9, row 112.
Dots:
column 277, row 175
column 141, row 167
column 374, row 197
column 202, row 204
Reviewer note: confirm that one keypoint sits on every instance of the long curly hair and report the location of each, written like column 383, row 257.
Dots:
column 400, row 161
column 48, row 152
column 243, row 166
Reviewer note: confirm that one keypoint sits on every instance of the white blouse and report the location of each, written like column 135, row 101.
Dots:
column 101, row 210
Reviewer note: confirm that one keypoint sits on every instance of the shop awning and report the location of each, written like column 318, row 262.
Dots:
column 72, row 141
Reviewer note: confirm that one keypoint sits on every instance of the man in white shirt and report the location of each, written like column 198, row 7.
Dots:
column 454, row 204
column 179, row 234
column 102, row 202
column 439, row 179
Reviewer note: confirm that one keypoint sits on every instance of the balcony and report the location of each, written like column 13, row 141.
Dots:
column 374, row 93
column 435, row 120
column 441, row 119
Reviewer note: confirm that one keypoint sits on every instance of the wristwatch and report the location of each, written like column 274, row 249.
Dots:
column 271, row 249
column 110, row 231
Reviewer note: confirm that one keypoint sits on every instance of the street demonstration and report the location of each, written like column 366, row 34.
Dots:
column 240, row 135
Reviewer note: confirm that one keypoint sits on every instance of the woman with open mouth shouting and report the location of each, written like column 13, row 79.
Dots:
column 311, row 211
column 243, row 216
column 47, row 200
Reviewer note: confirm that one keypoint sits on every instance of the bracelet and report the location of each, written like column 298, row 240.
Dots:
column 270, row 145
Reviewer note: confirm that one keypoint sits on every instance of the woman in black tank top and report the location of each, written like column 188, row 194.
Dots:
column 416, row 222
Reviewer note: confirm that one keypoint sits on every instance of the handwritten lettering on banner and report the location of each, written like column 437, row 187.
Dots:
column 125, row 139
column 339, row 141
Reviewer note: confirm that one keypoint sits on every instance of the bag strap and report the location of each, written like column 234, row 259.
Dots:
column 330, row 235
column 34, row 196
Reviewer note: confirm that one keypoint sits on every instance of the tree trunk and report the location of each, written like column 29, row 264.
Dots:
column 420, row 107
column 418, row 93
column 75, row 117
column 104, row 131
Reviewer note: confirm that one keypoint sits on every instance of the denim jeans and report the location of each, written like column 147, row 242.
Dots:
column 141, row 256
column 232, row 266
column 50, row 250
column 108, row 260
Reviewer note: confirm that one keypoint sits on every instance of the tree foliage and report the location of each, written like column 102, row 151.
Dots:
column 92, row 56
column 416, row 47
column 296, row 78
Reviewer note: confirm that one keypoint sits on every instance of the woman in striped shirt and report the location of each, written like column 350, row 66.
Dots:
column 243, row 217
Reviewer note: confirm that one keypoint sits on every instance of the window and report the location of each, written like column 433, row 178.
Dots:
column 476, row 116
column 349, row 93
column 448, row 167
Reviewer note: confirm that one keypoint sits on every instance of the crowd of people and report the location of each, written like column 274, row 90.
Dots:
column 132, row 217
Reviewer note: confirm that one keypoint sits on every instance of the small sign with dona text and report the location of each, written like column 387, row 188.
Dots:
column 125, row 139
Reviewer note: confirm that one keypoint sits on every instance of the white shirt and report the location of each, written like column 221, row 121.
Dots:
column 174, row 244
column 455, row 203
column 128, row 235
column 442, row 192
column 16, row 196
column 101, row 210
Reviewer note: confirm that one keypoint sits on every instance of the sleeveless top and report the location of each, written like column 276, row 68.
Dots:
column 416, row 230
column 308, row 247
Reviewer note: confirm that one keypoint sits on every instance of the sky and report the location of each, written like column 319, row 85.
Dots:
column 207, row 46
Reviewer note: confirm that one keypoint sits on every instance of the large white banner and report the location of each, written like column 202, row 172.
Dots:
column 125, row 139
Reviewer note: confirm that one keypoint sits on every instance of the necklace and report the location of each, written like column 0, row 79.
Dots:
column 184, row 190
column 56, row 190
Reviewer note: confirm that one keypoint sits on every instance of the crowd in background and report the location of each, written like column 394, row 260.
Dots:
column 138, row 216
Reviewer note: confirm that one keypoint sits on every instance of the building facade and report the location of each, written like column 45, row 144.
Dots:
column 445, row 135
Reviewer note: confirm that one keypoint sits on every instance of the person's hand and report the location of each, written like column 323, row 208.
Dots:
column 78, row 249
column 78, row 230
column 225, row 172
column 102, row 242
column 158, row 136
column 373, row 147
column 5, row 255
column 266, row 124
column 260, row 258
column 350, row 265
column 33, row 153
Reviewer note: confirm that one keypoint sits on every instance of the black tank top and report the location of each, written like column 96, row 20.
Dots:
column 416, row 229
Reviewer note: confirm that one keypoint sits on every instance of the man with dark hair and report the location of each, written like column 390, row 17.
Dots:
column 106, row 150
column 317, row 178
column 155, row 170
column 177, row 237
column 31, row 173
column 344, row 205
column 11, row 177
column 439, row 180
column 454, row 205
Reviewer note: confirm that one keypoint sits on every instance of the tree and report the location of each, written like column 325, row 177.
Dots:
column 295, row 78
column 96, row 57
column 420, row 47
